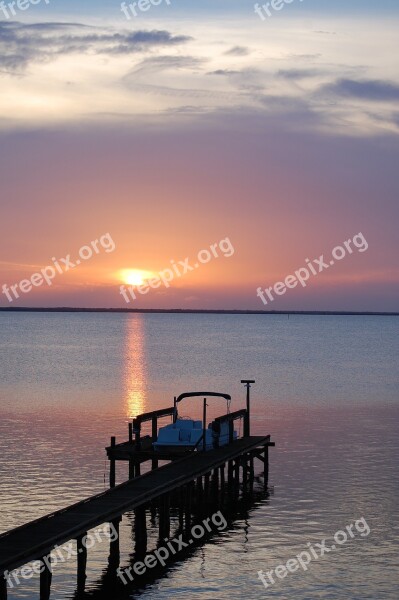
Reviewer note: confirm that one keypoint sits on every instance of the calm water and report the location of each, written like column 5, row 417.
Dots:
column 326, row 389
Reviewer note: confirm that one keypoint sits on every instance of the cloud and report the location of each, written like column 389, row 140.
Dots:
column 163, row 63
column 366, row 89
column 140, row 40
column 22, row 44
column 294, row 74
column 303, row 56
column 223, row 72
column 296, row 112
column 395, row 118
column 238, row 51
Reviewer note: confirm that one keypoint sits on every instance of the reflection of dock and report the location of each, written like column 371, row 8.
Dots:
column 196, row 476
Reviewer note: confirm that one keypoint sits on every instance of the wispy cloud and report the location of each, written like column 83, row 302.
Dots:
column 238, row 51
column 63, row 72
column 163, row 63
column 22, row 44
column 295, row 74
column 367, row 89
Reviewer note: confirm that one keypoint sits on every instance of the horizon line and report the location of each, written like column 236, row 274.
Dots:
column 198, row 311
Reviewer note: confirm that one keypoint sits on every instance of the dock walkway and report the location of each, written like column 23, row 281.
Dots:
column 36, row 539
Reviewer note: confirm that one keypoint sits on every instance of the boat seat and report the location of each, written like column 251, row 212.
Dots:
column 184, row 435
column 183, row 424
column 168, row 436
column 195, row 435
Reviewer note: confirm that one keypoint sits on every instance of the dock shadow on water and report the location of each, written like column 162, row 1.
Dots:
column 197, row 514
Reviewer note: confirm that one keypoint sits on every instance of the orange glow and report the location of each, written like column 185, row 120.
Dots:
column 135, row 276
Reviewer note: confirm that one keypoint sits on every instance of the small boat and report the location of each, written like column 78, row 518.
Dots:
column 185, row 434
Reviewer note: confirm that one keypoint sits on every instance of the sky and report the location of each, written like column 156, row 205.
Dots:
column 271, row 138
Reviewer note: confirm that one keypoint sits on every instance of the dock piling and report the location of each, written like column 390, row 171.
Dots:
column 140, row 525
column 164, row 516
column 81, row 562
column 154, row 462
column 45, row 578
column 112, row 469
column 3, row 588
column 266, row 466
column 114, row 547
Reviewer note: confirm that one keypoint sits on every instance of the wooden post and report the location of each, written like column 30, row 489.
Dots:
column 188, row 504
column 204, row 426
column 206, row 487
column 251, row 467
column 140, row 527
column 222, row 481
column 130, row 433
column 164, row 516
column 138, row 469
column 114, row 547
column 137, row 433
column 82, row 562
column 190, row 495
column 222, row 475
column 3, row 588
column 245, row 469
column 112, row 469
column 237, row 472
column 266, row 466
column 132, row 468
column 153, row 513
column 45, row 578
column 230, row 473
column 199, row 491
column 215, row 485
column 182, row 501
column 154, row 464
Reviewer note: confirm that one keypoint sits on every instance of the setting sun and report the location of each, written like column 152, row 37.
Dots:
column 135, row 276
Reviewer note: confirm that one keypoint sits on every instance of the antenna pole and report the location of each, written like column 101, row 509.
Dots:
column 247, row 422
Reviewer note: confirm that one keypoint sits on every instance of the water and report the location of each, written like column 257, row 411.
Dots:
column 326, row 389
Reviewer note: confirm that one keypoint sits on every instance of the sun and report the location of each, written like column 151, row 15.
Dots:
column 135, row 276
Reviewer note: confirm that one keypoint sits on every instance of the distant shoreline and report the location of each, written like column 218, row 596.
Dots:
column 200, row 311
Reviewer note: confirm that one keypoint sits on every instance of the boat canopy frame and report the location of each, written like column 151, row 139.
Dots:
column 196, row 395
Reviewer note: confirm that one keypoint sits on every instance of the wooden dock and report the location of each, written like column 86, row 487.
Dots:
column 196, row 471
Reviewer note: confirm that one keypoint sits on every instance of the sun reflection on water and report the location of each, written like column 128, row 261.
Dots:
column 135, row 367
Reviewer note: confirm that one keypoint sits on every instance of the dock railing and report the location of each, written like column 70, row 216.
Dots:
column 153, row 416
column 230, row 418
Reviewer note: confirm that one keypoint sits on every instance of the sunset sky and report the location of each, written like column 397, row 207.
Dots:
column 193, row 123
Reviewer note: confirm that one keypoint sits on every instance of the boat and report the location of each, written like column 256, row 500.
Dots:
column 185, row 434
